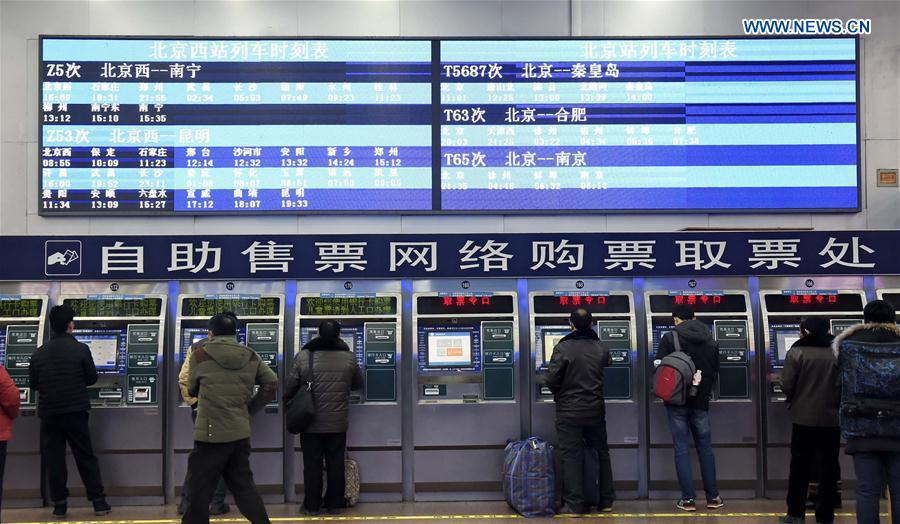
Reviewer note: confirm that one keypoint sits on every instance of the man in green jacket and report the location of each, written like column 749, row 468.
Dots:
column 222, row 376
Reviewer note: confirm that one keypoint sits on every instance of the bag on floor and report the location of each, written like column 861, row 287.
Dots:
column 870, row 374
column 351, row 482
column 674, row 376
column 529, row 477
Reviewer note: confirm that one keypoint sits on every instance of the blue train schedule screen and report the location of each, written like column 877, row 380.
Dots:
column 219, row 126
column 658, row 125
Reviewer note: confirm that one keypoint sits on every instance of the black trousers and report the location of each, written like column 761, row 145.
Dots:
column 331, row 447
column 71, row 429
column 231, row 461
column 573, row 436
column 218, row 499
column 814, row 445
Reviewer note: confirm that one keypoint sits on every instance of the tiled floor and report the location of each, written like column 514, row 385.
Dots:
column 630, row 512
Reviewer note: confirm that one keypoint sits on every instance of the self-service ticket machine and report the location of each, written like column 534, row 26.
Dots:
column 888, row 289
column 23, row 310
column 611, row 303
column 260, row 311
column 724, row 305
column 124, row 330
column 784, row 303
column 465, row 340
column 370, row 325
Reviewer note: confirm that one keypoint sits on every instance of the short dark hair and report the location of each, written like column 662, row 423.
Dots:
column 581, row 318
column 683, row 312
column 60, row 317
column 879, row 312
column 815, row 325
column 330, row 329
column 224, row 323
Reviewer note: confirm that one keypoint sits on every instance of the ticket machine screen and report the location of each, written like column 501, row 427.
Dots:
column 551, row 339
column 450, row 349
column 784, row 340
column 106, row 348
column 197, row 337
column 352, row 336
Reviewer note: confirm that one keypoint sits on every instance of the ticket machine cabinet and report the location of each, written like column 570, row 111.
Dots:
column 260, row 312
column 370, row 325
column 465, row 382
column 22, row 330
column 614, row 314
column 125, row 331
column 782, row 311
column 733, row 414
column 891, row 296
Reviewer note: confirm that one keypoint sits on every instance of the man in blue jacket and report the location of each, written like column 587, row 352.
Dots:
column 870, row 407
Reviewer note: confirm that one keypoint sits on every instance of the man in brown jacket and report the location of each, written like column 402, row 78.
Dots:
column 335, row 373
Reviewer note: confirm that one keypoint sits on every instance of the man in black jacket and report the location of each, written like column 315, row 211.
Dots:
column 335, row 374
column 694, row 339
column 876, row 455
column 809, row 381
column 61, row 371
column 575, row 376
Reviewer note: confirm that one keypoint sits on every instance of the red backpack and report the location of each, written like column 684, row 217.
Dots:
column 674, row 376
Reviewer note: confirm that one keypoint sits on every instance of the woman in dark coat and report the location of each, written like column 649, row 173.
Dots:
column 335, row 374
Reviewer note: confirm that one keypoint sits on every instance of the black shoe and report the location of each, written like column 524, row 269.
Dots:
column 60, row 509
column 335, row 511
column 182, row 506
column 309, row 512
column 606, row 508
column 715, row 503
column 219, row 509
column 686, row 505
column 101, row 508
column 568, row 510
column 787, row 519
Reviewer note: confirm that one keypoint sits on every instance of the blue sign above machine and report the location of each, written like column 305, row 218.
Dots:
column 458, row 255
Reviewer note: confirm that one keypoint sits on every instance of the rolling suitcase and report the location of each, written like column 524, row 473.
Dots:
column 351, row 482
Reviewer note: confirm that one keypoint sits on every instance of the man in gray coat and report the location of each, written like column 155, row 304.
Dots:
column 335, row 374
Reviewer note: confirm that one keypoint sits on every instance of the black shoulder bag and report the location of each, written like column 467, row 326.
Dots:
column 302, row 409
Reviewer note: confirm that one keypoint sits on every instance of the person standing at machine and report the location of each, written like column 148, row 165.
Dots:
column 695, row 339
column 9, row 410
column 575, row 376
column 809, row 382
column 218, row 506
column 61, row 371
column 222, row 376
column 335, row 374
column 869, row 363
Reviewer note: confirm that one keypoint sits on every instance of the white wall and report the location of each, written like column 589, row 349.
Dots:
column 22, row 21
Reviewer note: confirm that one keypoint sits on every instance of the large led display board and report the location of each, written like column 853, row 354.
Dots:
column 151, row 125
column 154, row 125
column 723, row 124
